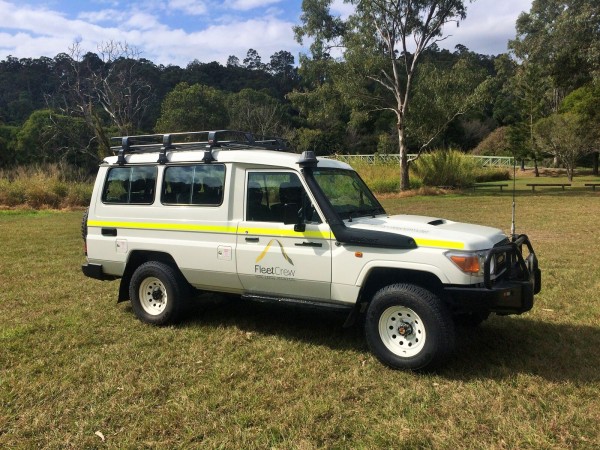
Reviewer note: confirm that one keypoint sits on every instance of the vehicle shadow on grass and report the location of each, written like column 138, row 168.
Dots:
column 312, row 325
column 505, row 346
column 498, row 349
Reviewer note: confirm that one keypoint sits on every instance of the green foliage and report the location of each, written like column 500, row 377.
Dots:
column 495, row 144
column 484, row 175
column 195, row 107
column 564, row 136
column 48, row 137
column 8, row 137
column 445, row 168
column 562, row 39
column 321, row 142
column 441, row 94
column 257, row 112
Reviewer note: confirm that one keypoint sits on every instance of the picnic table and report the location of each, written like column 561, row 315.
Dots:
column 534, row 185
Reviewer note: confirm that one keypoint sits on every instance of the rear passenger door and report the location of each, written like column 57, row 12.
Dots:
column 274, row 258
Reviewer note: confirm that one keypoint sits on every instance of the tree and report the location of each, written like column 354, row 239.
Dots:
column 440, row 95
column 564, row 137
column 495, row 144
column 253, row 60
column 7, row 145
column 531, row 90
column 195, row 107
column 585, row 101
column 48, row 136
column 104, row 88
column 255, row 111
column 233, row 61
column 562, row 38
column 384, row 40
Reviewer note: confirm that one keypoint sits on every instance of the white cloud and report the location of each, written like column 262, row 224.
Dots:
column 34, row 32
column 192, row 7
column 105, row 15
column 339, row 8
column 488, row 27
column 217, row 42
column 167, row 35
column 246, row 5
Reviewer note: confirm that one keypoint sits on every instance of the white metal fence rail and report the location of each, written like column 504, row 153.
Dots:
column 485, row 161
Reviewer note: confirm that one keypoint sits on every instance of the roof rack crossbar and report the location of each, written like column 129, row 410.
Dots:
column 191, row 141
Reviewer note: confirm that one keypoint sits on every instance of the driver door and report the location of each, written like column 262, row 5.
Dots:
column 275, row 258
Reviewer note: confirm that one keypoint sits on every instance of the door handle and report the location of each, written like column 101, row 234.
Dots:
column 251, row 239
column 109, row 231
column 309, row 244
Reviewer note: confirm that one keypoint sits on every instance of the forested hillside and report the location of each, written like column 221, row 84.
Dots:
column 538, row 101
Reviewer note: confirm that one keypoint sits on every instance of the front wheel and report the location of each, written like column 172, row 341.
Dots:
column 408, row 327
column 158, row 293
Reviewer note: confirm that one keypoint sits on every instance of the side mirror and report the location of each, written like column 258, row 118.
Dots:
column 291, row 216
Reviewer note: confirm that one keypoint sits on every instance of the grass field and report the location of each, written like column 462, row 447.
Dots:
column 79, row 371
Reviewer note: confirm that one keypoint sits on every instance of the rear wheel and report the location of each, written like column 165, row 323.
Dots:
column 158, row 293
column 84, row 220
column 408, row 327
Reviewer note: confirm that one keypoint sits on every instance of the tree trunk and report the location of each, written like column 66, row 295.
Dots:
column 404, row 176
column 595, row 163
column 536, row 170
column 570, row 170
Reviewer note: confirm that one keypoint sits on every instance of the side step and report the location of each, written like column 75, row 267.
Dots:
column 299, row 302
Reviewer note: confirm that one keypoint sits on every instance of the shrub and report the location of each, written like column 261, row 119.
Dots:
column 79, row 194
column 445, row 168
column 50, row 186
column 483, row 175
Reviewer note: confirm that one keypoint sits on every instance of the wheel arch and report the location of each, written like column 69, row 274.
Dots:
column 135, row 259
column 377, row 277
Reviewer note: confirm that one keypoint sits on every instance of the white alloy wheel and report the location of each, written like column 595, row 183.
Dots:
column 402, row 331
column 153, row 296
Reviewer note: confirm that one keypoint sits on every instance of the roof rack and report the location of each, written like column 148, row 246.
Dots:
column 193, row 140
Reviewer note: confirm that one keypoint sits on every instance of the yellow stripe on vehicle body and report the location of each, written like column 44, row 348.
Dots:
column 452, row 245
column 209, row 229
column 164, row 226
column 317, row 234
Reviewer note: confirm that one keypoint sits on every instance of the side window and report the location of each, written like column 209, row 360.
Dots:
column 194, row 185
column 271, row 196
column 130, row 185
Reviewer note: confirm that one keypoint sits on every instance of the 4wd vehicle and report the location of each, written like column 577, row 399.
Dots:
column 220, row 211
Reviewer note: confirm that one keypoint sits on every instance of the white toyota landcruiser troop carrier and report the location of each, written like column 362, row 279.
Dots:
column 219, row 211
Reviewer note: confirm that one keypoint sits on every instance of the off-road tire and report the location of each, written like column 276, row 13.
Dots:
column 408, row 327
column 84, row 219
column 159, row 294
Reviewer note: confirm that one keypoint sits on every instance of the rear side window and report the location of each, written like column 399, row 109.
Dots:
column 194, row 185
column 130, row 185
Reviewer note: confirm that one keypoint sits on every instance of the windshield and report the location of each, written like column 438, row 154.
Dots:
column 347, row 193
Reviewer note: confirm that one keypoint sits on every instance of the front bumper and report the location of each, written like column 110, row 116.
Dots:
column 512, row 293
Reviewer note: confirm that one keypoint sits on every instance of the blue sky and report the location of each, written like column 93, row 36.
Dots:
column 179, row 31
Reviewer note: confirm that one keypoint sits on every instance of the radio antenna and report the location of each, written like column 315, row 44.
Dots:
column 513, row 231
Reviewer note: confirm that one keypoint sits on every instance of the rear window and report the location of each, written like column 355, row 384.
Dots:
column 130, row 185
column 194, row 185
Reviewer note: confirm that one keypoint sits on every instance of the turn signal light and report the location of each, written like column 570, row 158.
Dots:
column 468, row 264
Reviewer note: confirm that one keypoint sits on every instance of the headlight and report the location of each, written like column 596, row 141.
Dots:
column 471, row 262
